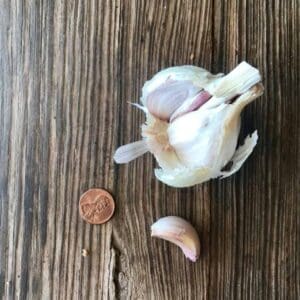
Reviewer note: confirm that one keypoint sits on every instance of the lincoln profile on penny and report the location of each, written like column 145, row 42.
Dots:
column 96, row 206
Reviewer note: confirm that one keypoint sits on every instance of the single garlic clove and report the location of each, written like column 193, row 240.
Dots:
column 179, row 232
column 191, row 104
column 167, row 91
column 196, row 134
column 198, row 76
column 168, row 97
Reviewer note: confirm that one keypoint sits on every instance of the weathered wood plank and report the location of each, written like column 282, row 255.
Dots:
column 67, row 71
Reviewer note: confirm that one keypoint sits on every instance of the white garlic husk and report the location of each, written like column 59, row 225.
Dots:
column 193, row 123
column 179, row 232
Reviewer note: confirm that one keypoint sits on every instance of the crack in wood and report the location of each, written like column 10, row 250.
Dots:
column 119, row 278
column 115, row 269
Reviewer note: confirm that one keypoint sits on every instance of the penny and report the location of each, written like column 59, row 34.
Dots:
column 96, row 206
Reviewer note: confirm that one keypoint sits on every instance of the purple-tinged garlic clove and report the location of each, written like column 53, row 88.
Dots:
column 179, row 232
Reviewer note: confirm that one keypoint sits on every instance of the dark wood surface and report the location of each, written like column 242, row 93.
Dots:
column 67, row 71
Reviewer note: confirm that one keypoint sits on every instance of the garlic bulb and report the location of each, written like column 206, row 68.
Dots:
column 193, row 123
column 179, row 232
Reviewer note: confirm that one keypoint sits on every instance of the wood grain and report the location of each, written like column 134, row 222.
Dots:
column 67, row 71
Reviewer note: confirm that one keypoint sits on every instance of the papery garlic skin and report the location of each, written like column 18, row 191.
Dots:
column 192, row 123
column 179, row 232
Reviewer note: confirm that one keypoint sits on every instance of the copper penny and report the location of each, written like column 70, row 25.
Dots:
column 96, row 206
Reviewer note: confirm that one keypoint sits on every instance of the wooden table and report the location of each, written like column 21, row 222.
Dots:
column 68, row 70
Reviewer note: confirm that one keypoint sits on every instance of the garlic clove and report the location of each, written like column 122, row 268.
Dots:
column 198, row 76
column 170, row 88
column 241, row 154
column 195, row 135
column 191, row 104
column 129, row 152
column 179, row 232
column 200, row 137
column 164, row 100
